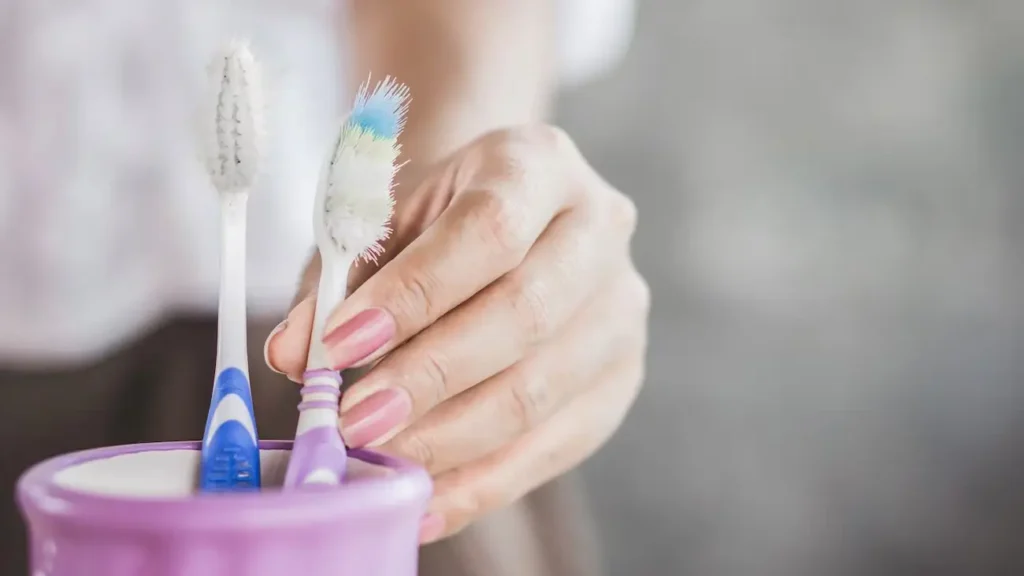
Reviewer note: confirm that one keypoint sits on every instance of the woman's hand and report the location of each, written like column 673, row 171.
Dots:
column 509, row 333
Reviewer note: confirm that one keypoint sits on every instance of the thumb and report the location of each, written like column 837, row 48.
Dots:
column 287, row 344
column 310, row 280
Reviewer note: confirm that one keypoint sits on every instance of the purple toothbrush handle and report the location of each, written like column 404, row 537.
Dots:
column 318, row 451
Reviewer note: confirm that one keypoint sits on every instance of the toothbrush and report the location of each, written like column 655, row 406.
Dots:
column 352, row 211
column 233, row 146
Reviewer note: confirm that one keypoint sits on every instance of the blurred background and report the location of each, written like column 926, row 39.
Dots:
column 831, row 219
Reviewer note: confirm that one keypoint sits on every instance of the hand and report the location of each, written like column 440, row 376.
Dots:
column 508, row 330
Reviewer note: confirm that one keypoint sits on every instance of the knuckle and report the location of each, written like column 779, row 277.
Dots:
column 508, row 154
column 632, row 291
column 412, row 446
column 542, row 136
column 530, row 304
column 503, row 223
column 489, row 496
column 559, row 138
column 466, row 497
column 624, row 211
column 529, row 400
column 524, row 148
column 436, row 372
column 414, row 297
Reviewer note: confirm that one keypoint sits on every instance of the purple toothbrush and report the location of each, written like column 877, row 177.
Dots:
column 351, row 215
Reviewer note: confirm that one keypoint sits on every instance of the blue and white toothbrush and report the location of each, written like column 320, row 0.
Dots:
column 233, row 146
column 352, row 210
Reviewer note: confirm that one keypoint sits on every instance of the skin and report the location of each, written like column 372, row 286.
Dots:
column 509, row 320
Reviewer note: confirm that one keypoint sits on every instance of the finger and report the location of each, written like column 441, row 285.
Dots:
column 494, row 413
column 413, row 214
column 288, row 345
column 416, row 209
column 482, row 337
column 486, row 231
column 560, row 444
column 310, row 279
column 285, row 351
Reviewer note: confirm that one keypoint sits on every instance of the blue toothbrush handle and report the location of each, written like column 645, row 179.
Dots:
column 231, row 455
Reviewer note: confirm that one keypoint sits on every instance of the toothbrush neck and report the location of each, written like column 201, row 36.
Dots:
column 330, row 292
column 231, row 317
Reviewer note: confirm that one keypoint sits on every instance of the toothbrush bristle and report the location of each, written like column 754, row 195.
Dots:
column 236, row 128
column 381, row 111
column 358, row 200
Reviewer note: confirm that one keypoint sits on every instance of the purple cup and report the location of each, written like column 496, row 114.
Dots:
column 368, row 526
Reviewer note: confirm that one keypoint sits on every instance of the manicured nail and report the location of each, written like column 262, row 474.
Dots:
column 431, row 528
column 266, row 345
column 359, row 337
column 375, row 416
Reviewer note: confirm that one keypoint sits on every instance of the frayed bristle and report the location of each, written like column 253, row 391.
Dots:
column 235, row 128
column 359, row 175
column 358, row 203
column 381, row 111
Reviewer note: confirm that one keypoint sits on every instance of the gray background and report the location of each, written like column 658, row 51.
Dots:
column 831, row 210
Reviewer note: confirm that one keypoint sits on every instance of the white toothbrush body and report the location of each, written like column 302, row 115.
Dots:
column 230, row 452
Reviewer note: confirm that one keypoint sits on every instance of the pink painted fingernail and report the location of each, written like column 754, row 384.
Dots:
column 431, row 528
column 375, row 416
column 359, row 337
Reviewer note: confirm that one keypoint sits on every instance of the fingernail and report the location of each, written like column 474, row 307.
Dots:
column 431, row 528
column 266, row 345
column 375, row 416
column 359, row 337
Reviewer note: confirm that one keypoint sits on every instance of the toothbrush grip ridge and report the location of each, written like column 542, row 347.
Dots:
column 319, row 453
column 230, row 456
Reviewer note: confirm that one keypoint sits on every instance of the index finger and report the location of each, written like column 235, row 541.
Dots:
column 486, row 231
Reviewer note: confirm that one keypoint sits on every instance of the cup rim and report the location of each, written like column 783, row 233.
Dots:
column 40, row 496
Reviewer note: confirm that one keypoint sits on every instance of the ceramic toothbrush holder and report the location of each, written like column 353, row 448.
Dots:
column 133, row 511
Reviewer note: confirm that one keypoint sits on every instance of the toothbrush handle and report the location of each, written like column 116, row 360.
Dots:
column 318, row 454
column 231, row 455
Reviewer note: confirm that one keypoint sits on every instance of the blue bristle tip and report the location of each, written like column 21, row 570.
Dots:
column 381, row 111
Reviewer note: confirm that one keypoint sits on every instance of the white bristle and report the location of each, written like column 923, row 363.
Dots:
column 235, row 133
column 358, row 202
column 356, row 189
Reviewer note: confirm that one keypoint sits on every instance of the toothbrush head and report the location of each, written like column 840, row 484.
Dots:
column 234, row 125
column 381, row 111
column 355, row 200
